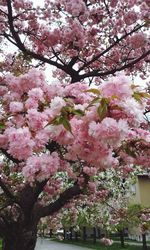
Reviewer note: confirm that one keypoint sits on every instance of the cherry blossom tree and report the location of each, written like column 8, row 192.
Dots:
column 83, row 39
column 55, row 137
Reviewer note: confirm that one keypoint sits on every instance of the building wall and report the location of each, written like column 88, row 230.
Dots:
column 143, row 190
column 142, row 196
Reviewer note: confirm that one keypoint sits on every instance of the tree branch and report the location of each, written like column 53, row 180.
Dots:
column 7, row 192
column 34, row 55
column 29, row 195
column 66, row 196
column 11, row 158
column 111, row 46
column 113, row 71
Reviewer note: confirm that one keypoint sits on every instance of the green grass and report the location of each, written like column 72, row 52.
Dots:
column 99, row 246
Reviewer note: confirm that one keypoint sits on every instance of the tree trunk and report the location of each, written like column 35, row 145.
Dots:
column 64, row 234
column 99, row 233
column 20, row 239
column 76, row 236
column 51, row 233
column 84, row 234
column 122, row 238
column 144, row 241
column 70, row 235
column 94, row 235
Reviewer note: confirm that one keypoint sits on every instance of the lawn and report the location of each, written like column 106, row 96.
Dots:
column 99, row 246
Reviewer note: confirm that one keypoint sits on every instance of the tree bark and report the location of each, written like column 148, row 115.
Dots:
column 64, row 234
column 84, row 234
column 20, row 239
column 144, row 241
column 99, row 233
column 76, row 236
column 122, row 238
column 94, row 235
column 70, row 235
column 51, row 233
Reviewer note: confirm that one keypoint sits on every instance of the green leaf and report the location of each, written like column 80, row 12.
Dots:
column 103, row 108
column 139, row 95
column 102, row 111
column 95, row 100
column 145, row 95
column 114, row 97
column 66, row 124
column 2, row 126
column 94, row 91
column 78, row 112
column 67, row 109
column 57, row 120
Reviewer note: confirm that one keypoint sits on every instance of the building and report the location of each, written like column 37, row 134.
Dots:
column 141, row 195
column 141, row 190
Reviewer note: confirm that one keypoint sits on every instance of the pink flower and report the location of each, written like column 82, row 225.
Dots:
column 92, row 187
column 31, row 103
column 16, row 107
column 113, row 3
column 3, row 141
column 53, row 90
column 41, row 139
column 36, row 120
column 41, row 167
column 36, row 94
column 3, row 90
column 109, row 130
column 20, row 142
column 75, row 7
column 77, row 91
column 130, row 17
column 90, row 171
column 119, row 87
column 138, row 40
column 57, row 103
column 106, row 242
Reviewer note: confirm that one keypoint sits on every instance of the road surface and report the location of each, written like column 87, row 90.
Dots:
column 46, row 244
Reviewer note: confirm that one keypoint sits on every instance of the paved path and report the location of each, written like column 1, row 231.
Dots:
column 43, row 244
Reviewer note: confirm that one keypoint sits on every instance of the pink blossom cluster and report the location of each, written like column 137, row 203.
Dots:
column 119, row 87
column 138, row 40
column 35, row 114
column 76, row 8
column 106, row 241
column 75, row 28
column 91, row 171
column 20, row 142
column 16, row 107
column 41, row 167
